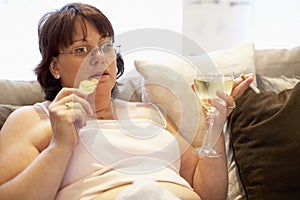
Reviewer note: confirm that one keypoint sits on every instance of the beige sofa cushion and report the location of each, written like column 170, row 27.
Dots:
column 20, row 92
column 15, row 94
column 278, row 62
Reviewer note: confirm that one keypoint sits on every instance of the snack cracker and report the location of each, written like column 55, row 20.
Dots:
column 88, row 86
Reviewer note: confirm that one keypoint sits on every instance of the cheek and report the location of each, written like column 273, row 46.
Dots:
column 68, row 72
column 113, row 68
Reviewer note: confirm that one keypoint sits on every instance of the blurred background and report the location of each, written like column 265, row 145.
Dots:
column 212, row 24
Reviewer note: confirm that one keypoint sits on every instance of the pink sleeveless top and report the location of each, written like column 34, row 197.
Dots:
column 111, row 153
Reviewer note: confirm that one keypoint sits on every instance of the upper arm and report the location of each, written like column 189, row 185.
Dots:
column 18, row 139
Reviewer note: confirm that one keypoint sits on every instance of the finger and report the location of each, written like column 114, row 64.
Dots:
column 84, row 104
column 221, row 95
column 242, row 85
column 76, row 114
column 238, row 80
column 73, row 97
column 69, row 91
column 221, row 113
column 79, row 118
column 193, row 86
column 219, row 104
column 79, row 108
column 229, row 102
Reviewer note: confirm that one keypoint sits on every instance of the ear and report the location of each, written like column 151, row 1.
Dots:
column 54, row 69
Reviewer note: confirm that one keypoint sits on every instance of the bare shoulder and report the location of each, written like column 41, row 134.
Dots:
column 26, row 123
column 21, row 117
column 23, row 136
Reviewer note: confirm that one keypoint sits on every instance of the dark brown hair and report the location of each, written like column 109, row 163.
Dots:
column 56, row 30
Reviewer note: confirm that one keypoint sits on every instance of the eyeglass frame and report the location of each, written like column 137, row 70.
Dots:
column 89, row 49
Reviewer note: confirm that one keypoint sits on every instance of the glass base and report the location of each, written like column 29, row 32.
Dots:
column 204, row 152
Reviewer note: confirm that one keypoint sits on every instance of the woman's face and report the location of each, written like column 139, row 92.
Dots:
column 74, row 67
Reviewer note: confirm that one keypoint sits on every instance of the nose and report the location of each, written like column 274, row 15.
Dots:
column 97, row 56
column 96, row 51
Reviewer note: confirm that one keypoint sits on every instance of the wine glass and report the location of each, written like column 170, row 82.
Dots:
column 206, row 85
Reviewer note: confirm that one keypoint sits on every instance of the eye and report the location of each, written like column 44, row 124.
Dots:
column 81, row 51
column 106, row 47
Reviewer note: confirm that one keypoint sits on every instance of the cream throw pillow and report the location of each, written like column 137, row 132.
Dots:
column 171, row 91
column 167, row 83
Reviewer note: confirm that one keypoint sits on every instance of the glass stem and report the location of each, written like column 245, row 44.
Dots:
column 210, row 119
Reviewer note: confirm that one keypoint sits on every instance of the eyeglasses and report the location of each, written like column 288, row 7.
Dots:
column 106, row 48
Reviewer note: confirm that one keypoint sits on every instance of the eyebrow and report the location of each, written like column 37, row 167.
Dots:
column 77, row 41
column 101, row 39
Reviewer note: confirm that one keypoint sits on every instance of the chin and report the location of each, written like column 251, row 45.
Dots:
column 104, row 88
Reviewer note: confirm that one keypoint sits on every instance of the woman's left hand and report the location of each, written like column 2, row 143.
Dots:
column 239, row 87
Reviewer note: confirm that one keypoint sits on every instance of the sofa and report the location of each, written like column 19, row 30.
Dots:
column 253, row 150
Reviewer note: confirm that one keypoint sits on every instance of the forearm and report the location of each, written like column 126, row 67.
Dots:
column 41, row 179
column 210, row 178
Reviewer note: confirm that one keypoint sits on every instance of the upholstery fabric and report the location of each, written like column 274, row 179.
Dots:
column 265, row 136
column 20, row 92
column 278, row 62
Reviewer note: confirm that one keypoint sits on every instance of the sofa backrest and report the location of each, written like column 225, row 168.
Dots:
column 277, row 62
column 19, row 93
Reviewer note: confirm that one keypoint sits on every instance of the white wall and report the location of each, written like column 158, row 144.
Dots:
column 221, row 24
column 277, row 23
column 217, row 24
column 213, row 24
column 18, row 20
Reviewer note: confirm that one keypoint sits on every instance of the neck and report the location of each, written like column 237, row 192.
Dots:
column 103, row 108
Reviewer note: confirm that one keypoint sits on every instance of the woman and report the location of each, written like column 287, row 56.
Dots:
column 44, row 152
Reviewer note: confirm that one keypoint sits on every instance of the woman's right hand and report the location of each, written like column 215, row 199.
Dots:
column 65, row 121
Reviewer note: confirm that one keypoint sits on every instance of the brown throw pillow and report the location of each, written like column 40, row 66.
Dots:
column 265, row 136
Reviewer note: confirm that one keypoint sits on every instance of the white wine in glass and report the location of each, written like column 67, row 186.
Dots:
column 206, row 86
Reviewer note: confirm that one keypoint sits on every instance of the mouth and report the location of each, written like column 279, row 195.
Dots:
column 99, row 74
